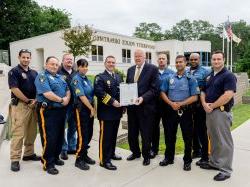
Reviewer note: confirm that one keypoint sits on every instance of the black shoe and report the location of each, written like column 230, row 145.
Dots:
column 33, row 157
column 152, row 154
column 196, row 155
column 109, row 166
column 81, row 164
column 146, row 162
column 64, row 155
column 221, row 177
column 89, row 160
column 59, row 162
column 132, row 157
column 116, row 157
column 52, row 171
column 15, row 166
column 201, row 162
column 72, row 152
column 208, row 167
column 187, row 167
column 166, row 162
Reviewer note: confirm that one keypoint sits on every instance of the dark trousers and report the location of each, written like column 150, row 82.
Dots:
column 140, row 121
column 200, row 138
column 170, row 129
column 107, row 139
column 84, row 127
column 51, row 127
column 160, row 114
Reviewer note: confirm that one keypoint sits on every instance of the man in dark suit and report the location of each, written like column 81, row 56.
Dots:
column 141, row 115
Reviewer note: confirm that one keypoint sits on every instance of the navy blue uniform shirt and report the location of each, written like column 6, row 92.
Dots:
column 107, row 89
column 217, row 84
column 24, row 80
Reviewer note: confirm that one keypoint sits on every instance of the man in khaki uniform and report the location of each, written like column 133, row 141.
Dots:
column 24, row 123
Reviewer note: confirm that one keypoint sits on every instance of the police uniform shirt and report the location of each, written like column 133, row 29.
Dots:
column 179, row 88
column 166, row 72
column 82, row 86
column 46, row 82
column 106, row 89
column 218, row 84
column 24, row 80
column 200, row 73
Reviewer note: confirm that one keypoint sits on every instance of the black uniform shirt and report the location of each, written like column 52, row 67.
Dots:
column 106, row 89
column 24, row 80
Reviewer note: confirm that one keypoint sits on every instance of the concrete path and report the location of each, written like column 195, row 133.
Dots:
column 128, row 173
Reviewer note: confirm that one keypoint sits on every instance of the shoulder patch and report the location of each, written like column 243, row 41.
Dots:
column 42, row 78
column 75, row 82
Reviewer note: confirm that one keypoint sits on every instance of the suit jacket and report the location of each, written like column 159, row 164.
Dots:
column 148, row 84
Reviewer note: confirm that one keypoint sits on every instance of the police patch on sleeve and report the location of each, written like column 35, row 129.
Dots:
column 75, row 82
column 42, row 78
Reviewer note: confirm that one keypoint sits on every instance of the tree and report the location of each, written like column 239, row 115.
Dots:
column 149, row 31
column 20, row 19
column 79, row 40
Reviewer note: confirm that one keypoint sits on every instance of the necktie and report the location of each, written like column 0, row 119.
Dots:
column 137, row 75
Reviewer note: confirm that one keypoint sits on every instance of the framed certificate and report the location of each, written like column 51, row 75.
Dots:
column 128, row 94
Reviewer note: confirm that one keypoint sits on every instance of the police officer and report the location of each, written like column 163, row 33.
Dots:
column 53, row 96
column 24, row 123
column 200, row 139
column 164, row 72
column 84, row 111
column 67, row 71
column 109, row 112
column 217, row 100
column 179, row 91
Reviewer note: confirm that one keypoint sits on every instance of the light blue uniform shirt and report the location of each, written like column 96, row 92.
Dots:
column 46, row 82
column 179, row 88
column 82, row 86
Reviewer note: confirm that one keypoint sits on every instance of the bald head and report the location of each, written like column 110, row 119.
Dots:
column 139, row 56
column 194, row 59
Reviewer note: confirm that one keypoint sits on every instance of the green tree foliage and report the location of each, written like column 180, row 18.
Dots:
column 149, row 31
column 79, row 40
column 21, row 19
column 203, row 30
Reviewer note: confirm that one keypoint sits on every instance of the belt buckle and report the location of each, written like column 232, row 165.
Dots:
column 180, row 112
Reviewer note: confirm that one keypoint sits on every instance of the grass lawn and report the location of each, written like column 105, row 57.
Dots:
column 241, row 113
column 247, row 93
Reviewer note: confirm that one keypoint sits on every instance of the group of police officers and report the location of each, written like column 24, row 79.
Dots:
column 197, row 98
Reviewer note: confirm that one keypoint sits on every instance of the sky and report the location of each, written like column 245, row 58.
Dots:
column 122, row 16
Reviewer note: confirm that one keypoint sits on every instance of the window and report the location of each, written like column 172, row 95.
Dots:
column 126, row 56
column 148, row 57
column 97, row 53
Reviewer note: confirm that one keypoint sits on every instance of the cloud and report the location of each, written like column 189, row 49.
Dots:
column 122, row 16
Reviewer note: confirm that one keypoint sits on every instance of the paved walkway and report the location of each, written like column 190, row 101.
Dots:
column 129, row 173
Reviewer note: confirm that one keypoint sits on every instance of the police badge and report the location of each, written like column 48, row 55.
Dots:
column 171, row 81
column 24, row 75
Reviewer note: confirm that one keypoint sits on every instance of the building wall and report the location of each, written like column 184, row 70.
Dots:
column 52, row 44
